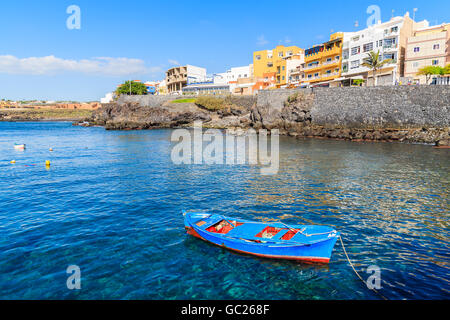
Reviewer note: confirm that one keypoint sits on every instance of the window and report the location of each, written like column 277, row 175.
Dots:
column 329, row 60
column 289, row 53
column 435, row 62
column 368, row 47
column 328, row 71
column 436, row 47
column 356, row 50
column 309, row 76
column 394, row 29
column 258, row 57
column 345, row 54
column 415, row 65
column 270, row 64
column 337, row 58
column 416, row 49
column 316, row 75
column 379, row 43
column 389, row 56
column 280, row 54
column 354, row 64
column 282, row 68
column 282, row 78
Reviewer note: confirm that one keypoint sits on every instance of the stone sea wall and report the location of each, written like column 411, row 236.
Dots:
column 380, row 107
column 391, row 113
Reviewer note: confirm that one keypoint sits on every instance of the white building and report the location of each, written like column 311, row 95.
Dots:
column 232, row 75
column 294, row 68
column 195, row 74
column 179, row 77
column 389, row 38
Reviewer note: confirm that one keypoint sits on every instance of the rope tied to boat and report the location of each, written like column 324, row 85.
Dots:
column 351, row 264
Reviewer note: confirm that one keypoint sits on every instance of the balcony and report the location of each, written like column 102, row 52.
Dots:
column 313, row 57
column 325, row 76
column 390, row 47
column 391, row 33
column 329, row 63
column 331, row 52
column 316, row 66
column 312, row 79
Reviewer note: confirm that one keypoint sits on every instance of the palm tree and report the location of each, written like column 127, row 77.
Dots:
column 373, row 61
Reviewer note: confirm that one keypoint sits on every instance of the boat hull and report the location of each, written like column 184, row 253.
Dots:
column 319, row 252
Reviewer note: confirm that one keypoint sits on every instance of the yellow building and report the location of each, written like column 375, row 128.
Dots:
column 323, row 62
column 274, row 61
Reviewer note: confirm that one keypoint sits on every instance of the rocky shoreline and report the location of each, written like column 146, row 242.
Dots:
column 293, row 113
column 51, row 115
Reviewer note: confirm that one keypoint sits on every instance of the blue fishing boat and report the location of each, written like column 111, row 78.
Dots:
column 276, row 240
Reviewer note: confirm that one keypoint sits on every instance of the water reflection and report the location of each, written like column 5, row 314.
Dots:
column 112, row 203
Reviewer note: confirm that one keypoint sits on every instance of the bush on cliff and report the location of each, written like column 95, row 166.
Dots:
column 134, row 88
column 210, row 103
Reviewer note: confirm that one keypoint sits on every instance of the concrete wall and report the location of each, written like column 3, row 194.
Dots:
column 147, row 101
column 378, row 107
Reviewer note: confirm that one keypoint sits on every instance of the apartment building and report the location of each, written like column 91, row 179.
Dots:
column 390, row 39
column 274, row 61
column 179, row 77
column 295, row 70
column 323, row 62
column 427, row 47
column 231, row 76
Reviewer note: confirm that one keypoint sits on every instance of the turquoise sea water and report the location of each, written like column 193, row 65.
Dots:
column 111, row 203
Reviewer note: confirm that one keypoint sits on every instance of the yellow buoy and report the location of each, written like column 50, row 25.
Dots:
column 47, row 163
column 51, row 149
column 13, row 161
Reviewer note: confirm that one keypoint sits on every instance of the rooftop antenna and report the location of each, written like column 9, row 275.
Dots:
column 356, row 24
column 392, row 13
column 414, row 13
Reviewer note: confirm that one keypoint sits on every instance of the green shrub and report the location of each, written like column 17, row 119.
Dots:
column 293, row 98
column 191, row 100
column 210, row 103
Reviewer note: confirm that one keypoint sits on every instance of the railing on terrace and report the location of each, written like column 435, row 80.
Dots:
column 313, row 66
column 330, row 62
column 326, row 75
column 388, row 34
column 390, row 46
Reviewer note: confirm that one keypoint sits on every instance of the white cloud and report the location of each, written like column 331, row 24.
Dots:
column 174, row 62
column 52, row 65
column 261, row 41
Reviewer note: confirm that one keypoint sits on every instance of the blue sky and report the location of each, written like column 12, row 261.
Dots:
column 121, row 40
